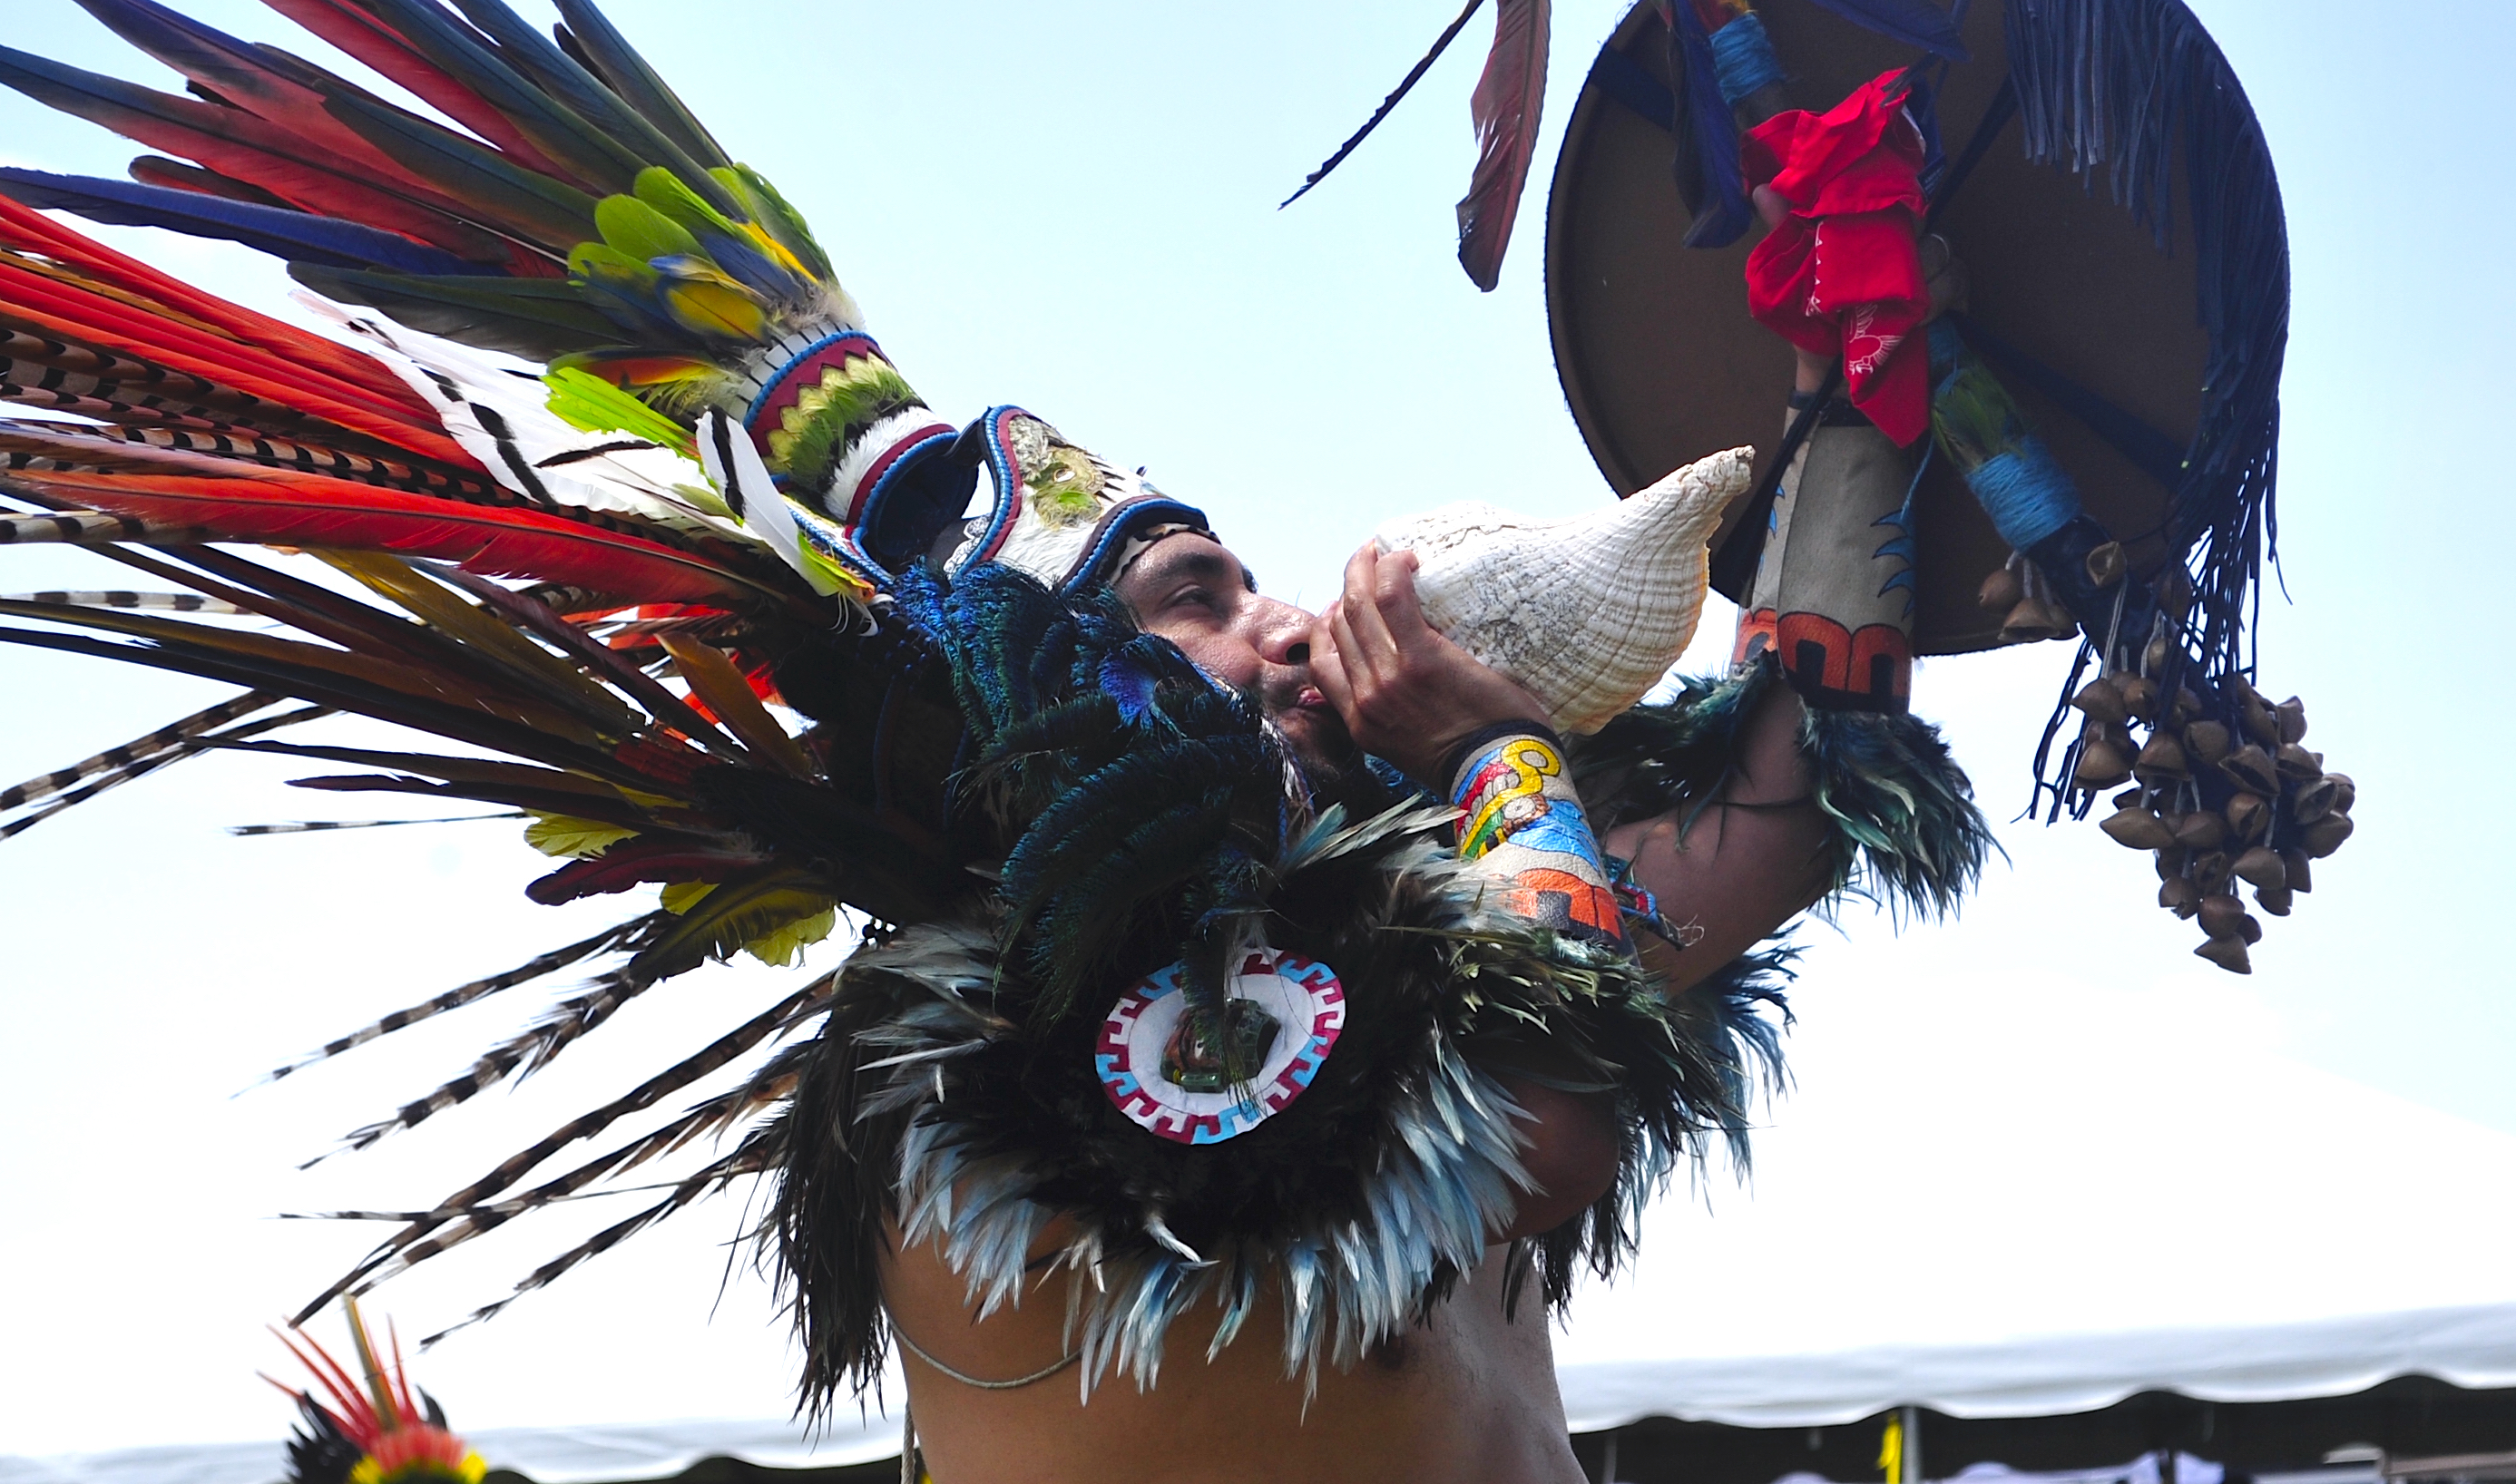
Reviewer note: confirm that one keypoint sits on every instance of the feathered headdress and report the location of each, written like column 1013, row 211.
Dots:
column 376, row 1428
column 582, row 218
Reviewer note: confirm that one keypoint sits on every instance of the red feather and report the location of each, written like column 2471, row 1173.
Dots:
column 372, row 42
column 238, row 145
column 634, row 863
column 401, row 1376
column 220, row 342
column 1505, row 107
column 23, row 227
column 174, row 174
column 354, row 1410
column 288, row 508
column 168, row 344
column 235, row 73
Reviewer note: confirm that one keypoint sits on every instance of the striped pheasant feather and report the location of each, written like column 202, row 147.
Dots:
column 120, row 598
column 76, row 528
column 140, row 766
column 474, row 1209
column 320, row 826
column 616, row 936
column 166, row 738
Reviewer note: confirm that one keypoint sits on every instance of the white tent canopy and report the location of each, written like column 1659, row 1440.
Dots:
column 547, row 1455
column 2056, row 1156
column 2473, row 1347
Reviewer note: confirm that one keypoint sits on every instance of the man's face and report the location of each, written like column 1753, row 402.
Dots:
column 1191, row 590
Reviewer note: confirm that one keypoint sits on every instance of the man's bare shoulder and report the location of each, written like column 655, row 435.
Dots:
column 1469, row 1396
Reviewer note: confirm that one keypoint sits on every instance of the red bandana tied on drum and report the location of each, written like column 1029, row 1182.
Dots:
column 1841, row 274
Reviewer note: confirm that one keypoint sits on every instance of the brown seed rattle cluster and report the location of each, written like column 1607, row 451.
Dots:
column 2029, row 611
column 2224, row 791
column 2221, row 805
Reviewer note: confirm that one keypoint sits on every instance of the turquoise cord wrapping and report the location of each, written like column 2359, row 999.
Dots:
column 1743, row 60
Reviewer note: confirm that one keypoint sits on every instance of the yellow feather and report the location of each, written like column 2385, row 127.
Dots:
column 814, row 917
column 783, row 948
column 567, row 835
column 777, row 250
column 725, row 309
column 679, row 897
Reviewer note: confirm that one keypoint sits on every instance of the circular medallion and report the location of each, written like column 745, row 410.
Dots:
column 1285, row 1012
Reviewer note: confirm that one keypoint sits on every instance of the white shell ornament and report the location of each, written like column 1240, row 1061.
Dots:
column 1587, row 612
column 1292, row 1010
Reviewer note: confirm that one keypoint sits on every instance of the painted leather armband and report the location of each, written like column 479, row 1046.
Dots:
column 1521, row 822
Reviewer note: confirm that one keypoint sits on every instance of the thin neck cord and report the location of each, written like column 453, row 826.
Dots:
column 1043, row 1374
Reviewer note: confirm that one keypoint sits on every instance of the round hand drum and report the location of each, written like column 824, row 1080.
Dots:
column 2093, row 315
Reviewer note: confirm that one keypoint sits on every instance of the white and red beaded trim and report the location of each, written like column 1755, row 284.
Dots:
column 1304, row 996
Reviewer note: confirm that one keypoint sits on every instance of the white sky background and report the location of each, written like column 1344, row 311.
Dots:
column 1073, row 207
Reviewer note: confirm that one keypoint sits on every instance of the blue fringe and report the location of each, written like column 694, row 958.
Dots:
column 1709, row 126
column 2117, row 83
column 1914, row 22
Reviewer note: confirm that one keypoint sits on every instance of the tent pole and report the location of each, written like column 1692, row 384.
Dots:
column 1608, row 1459
column 1911, row 1467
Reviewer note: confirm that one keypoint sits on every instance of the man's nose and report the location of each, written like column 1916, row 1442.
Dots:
column 1283, row 634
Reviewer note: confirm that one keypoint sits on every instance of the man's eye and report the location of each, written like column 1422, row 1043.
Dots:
column 1194, row 597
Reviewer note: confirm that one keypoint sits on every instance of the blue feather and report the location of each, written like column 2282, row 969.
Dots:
column 641, row 317
column 1127, row 681
column 567, row 136
column 1137, row 670
column 751, row 268
column 573, row 91
column 296, row 236
column 618, row 63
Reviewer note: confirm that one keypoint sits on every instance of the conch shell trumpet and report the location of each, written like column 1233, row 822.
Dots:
column 1587, row 612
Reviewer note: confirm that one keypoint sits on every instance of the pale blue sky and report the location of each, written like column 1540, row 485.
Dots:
column 1073, row 207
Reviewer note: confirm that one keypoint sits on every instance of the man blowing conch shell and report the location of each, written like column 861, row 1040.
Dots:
column 1262, row 1017
column 1469, row 641
column 1469, row 1394
column 1497, row 662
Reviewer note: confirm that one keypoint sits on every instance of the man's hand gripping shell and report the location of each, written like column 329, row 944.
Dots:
column 1405, row 693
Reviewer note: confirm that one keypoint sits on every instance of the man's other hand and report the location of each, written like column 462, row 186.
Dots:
column 1406, row 693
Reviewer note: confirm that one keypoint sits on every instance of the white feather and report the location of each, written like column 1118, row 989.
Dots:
column 638, row 481
column 734, row 464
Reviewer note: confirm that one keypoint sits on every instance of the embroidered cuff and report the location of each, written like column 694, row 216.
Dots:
column 1521, row 822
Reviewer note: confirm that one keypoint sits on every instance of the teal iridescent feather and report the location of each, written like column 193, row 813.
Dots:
column 1902, row 819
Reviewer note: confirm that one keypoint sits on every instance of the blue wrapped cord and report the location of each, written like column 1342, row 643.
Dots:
column 1743, row 58
column 2024, row 492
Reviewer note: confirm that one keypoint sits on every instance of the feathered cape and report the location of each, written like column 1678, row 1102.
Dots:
column 951, row 1093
